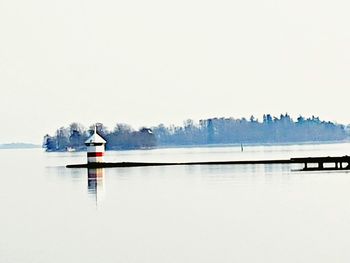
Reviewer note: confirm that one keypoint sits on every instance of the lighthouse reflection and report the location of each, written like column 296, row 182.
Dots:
column 95, row 183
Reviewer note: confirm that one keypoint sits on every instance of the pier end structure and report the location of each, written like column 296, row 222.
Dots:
column 324, row 163
column 95, row 148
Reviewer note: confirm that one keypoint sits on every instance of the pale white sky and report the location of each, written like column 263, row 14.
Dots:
column 146, row 62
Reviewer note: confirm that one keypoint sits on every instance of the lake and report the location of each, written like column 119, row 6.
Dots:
column 231, row 213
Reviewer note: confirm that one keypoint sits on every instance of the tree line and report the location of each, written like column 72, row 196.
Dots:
column 271, row 129
column 123, row 137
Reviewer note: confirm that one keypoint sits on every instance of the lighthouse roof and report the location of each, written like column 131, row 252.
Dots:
column 95, row 138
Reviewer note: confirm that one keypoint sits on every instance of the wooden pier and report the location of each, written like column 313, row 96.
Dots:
column 324, row 163
column 310, row 163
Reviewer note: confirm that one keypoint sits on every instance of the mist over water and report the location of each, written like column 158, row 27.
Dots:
column 232, row 213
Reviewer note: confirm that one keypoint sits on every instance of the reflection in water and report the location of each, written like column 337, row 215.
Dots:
column 95, row 183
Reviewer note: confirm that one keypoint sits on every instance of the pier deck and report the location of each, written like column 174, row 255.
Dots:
column 138, row 164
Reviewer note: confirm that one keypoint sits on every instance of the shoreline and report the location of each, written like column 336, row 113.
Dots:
column 238, row 145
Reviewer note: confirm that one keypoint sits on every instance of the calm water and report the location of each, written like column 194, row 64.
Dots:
column 252, row 213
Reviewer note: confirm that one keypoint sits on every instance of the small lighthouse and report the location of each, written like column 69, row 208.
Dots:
column 95, row 148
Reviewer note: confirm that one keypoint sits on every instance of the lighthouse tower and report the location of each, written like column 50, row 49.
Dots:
column 95, row 148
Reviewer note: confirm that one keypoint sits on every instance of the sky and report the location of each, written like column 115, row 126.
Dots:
column 157, row 61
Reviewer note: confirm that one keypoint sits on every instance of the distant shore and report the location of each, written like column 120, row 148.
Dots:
column 222, row 145
column 251, row 144
column 19, row 146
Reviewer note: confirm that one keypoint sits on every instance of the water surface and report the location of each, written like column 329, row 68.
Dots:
column 242, row 213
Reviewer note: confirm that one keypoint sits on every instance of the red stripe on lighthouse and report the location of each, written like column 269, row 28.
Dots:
column 99, row 154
